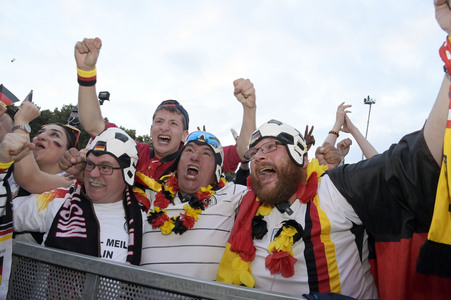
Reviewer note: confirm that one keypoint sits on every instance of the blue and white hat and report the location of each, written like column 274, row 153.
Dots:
column 206, row 138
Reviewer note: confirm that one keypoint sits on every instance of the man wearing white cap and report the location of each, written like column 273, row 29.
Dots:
column 97, row 216
column 300, row 231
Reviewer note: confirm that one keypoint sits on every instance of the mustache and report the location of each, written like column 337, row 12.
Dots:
column 95, row 181
column 266, row 165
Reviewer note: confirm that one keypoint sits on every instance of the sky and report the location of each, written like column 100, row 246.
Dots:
column 303, row 57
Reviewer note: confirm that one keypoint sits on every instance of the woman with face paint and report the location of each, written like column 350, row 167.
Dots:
column 51, row 141
column 38, row 170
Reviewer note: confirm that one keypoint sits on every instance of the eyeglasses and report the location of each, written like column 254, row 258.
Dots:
column 267, row 147
column 204, row 137
column 104, row 169
column 76, row 131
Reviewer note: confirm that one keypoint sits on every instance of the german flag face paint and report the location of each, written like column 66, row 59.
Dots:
column 50, row 144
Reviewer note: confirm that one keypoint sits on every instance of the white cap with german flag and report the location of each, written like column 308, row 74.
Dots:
column 121, row 146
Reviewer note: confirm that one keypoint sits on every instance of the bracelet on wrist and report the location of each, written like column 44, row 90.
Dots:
column 445, row 55
column 334, row 132
column 87, row 78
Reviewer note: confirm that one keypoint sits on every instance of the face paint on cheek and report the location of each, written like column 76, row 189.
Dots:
column 57, row 144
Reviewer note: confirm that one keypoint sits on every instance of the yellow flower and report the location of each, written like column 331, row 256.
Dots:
column 192, row 212
column 314, row 166
column 157, row 210
column 167, row 227
column 284, row 241
column 139, row 191
column 264, row 210
column 206, row 189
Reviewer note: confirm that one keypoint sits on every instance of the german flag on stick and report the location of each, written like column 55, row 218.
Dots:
column 29, row 97
column 6, row 97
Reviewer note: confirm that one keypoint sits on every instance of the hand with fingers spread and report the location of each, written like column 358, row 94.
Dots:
column 342, row 111
column 309, row 138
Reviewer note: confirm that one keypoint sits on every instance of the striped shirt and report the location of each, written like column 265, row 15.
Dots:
column 198, row 251
column 332, row 254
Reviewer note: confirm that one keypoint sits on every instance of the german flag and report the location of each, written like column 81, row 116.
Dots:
column 100, row 146
column 435, row 254
column 6, row 97
column 29, row 97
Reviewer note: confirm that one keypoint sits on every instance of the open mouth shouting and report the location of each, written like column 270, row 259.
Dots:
column 164, row 139
column 192, row 171
column 39, row 146
column 266, row 173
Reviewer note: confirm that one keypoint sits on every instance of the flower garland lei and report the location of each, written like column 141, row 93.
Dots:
column 158, row 217
column 235, row 265
column 280, row 258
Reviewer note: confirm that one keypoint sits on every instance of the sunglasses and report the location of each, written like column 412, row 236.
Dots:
column 204, row 137
column 76, row 131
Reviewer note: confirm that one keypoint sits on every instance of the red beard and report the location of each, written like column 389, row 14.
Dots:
column 289, row 177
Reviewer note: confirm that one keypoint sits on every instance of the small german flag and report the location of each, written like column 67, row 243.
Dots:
column 6, row 97
column 100, row 146
column 29, row 97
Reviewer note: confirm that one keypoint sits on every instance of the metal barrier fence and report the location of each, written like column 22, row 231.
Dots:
column 45, row 273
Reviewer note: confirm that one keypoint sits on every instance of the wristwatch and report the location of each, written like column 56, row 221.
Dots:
column 25, row 127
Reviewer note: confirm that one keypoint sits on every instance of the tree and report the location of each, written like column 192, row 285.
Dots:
column 62, row 115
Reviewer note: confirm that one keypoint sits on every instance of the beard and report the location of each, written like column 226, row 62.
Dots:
column 290, row 176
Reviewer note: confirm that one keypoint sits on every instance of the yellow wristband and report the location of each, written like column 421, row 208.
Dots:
column 87, row 74
column 6, row 165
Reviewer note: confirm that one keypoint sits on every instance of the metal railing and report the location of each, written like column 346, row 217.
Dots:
column 45, row 273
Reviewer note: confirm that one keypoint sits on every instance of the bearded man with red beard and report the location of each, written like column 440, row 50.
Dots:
column 300, row 231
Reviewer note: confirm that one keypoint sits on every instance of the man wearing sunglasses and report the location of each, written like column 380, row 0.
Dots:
column 98, row 215
column 170, row 122
column 191, row 216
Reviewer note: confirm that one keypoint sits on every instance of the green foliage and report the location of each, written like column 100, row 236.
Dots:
column 62, row 116
column 145, row 139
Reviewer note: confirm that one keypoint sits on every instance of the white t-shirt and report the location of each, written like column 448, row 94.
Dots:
column 113, row 230
column 36, row 213
column 198, row 251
